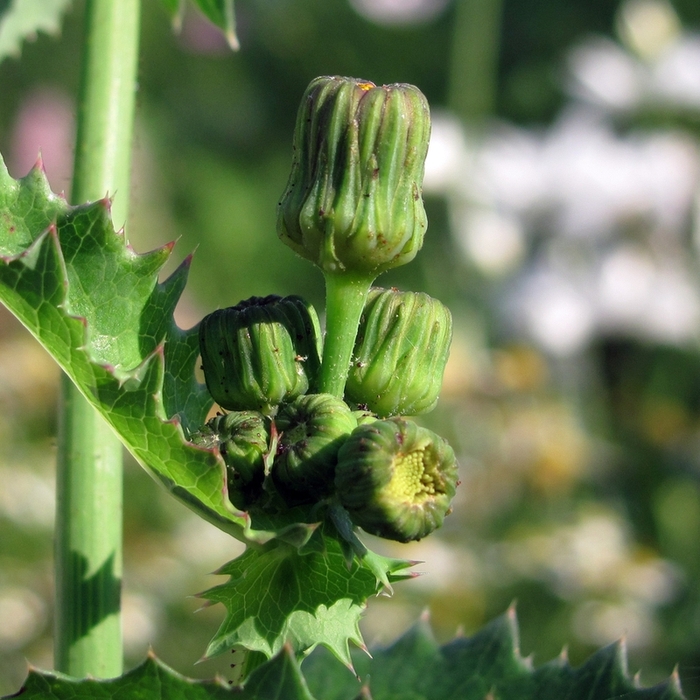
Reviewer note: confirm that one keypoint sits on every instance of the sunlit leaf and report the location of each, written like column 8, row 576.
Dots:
column 21, row 20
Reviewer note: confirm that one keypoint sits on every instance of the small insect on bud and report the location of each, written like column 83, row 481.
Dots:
column 396, row 479
column 364, row 415
column 261, row 352
column 311, row 429
column 353, row 200
column 242, row 438
column 401, row 350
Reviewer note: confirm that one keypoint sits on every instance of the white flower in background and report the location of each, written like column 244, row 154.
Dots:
column 447, row 153
column 648, row 27
column 643, row 296
column 618, row 205
column 493, row 240
column 658, row 64
column 399, row 11
column 603, row 73
column 675, row 78
column 616, row 585
column 555, row 311
column 508, row 171
column 601, row 622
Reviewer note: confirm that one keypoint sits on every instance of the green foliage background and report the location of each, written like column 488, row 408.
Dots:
column 211, row 158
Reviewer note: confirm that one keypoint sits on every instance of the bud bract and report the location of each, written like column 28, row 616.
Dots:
column 242, row 439
column 396, row 479
column 261, row 352
column 400, row 354
column 354, row 197
column 311, row 429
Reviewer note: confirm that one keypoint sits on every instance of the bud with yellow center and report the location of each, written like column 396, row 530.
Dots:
column 396, row 479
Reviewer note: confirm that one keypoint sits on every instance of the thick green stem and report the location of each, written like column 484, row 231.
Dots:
column 345, row 298
column 88, row 542
column 88, row 637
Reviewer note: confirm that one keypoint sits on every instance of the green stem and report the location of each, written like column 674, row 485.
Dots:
column 474, row 70
column 345, row 299
column 88, row 637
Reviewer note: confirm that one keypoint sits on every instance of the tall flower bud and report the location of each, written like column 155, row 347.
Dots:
column 396, row 479
column 261, row 352
column 400, row 354
column 312, row 430
column 353, row 200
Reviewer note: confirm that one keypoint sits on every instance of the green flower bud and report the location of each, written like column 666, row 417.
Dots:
column 401, row 350
column 396, row 479
column 311, row 429
column 261, row 352
column 242, row 439
column 353, row 200
column 363, row 416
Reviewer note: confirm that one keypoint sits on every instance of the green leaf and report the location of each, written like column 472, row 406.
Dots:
column 20, row 20
column 219, row 12
column 101, row 312
column 176, row 10
column 279, row 678
column 281, row 594
column 152, row 680
column 487, row 665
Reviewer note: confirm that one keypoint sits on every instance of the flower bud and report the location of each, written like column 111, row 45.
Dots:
column 353, row 200
column 401, row 350
column 311, row 429
column 242, row 439
column 396, row 479
column 261, row 352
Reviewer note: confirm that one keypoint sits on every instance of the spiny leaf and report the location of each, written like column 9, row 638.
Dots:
column 99, row 309
column 280, row 594
column 20, row 20
column 278, row 678
column 487, row 665
column 153, row 680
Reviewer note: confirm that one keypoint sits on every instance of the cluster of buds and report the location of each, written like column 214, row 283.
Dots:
column 394, row 478
column 353, row 207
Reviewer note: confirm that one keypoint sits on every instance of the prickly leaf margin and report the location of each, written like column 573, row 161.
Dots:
column 414, row 667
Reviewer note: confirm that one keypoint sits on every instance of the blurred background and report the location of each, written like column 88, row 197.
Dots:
column 563, row 193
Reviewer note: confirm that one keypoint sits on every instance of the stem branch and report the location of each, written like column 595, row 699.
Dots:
column 345, row 299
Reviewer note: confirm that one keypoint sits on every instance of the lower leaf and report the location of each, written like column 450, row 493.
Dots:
column 281, row 594
column 414, row 667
